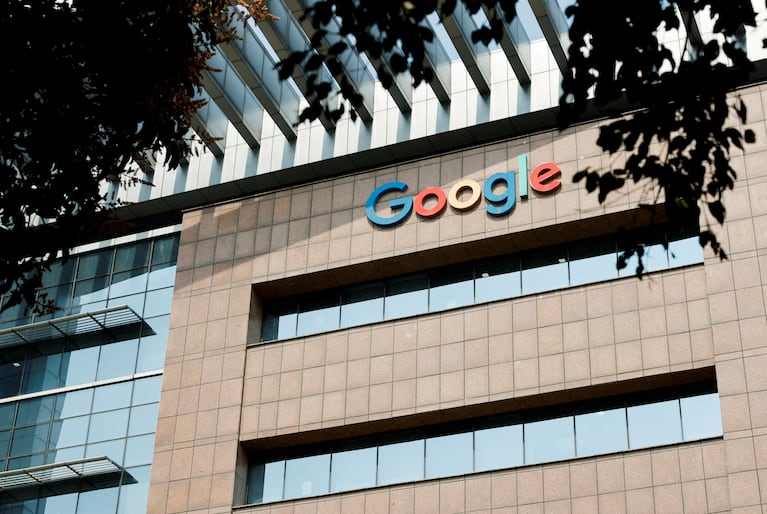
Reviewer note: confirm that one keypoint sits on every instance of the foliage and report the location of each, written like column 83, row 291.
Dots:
column 88, row 87
column 679, row 142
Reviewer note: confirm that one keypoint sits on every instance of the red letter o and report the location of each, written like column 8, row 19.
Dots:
column 430, row 191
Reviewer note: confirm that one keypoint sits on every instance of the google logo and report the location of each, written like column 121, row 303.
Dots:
column 465, row 195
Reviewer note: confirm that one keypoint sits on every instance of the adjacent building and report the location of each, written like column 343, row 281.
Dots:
column 417, row 311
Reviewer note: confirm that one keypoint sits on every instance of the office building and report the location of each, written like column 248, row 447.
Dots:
column 417, row 311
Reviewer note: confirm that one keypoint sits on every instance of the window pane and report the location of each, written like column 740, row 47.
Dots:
column 5, row 440
column 143, row 419
column 98, row 501
column 138, row 450
column 353, row 469
column 406, row 296
column 601, row 432
column 544, row 270
column 146, row 390
column 35, row 410
column 498, row 279
column 654, row 424
column 280, row 321
column 41, row 373
column 112, row 449
column 133, row 496
column 654, row 258
column 151, row 347
column 79, row 366
column 91, row 290
column 686, row 251
column 6, row 415
column 97, row 263
column 318, row 314
column 449, row 455
column 161, row 277
column 701, row 417
column 361, row 305
column 10, row 379
column 128, row 282
column 113, row 396
column 57, row 504
column 32, row 439
column 549, row 440
column 497, row 448
column 400, row 462
column 593, row 261
column 132, row 256
column 158, row 302
column 307, row 476
column 117, row 359
column 108, row 425
column 451, row 288
column 59, row 273
column 165, row 249
column 69, row 432
column 73, row 403
column 265, row 482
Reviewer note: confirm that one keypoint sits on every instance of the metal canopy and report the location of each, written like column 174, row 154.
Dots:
column 62, row 478
column 112, row 322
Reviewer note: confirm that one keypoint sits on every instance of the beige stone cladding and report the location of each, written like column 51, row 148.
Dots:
column 221, row 388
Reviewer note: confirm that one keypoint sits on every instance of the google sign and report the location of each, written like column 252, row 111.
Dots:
column 466, row 194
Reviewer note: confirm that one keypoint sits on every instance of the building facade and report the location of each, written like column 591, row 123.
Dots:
column 415, row 311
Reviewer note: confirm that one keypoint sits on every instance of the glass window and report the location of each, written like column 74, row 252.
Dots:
column 132, row 256
column 544, row 270
column 654, row 424
column 91, row 290
column 146, row 390
column 362, row 304
column 41, row 373
column 165, row 249
column 406, row 296
column 32, row 439
column 151, row 348
column 97, row 263
column 549, row 440
column 133, row 497
column 69, row 432
column 138, row 450
column 57, row 504
column 265, row 482
column 98, row 501
column 73, row 403
column 79, row 366
column 60, row 295
column 158, row 302
column 27, row 461
column 117, row 359
column 498, row 279
column 113, row 449
column 685, row 251
column 701, row 417
column 318, row 313
column 143, row 419
column 280, row 321
column 449, row 455
column 128, row 282
column 353, row 469
column 307, row 476
column 498, row 448
column 6, row 415
column 10, row 379
column 59, row 272
column 161, row 277
column 135, row 302
column 113, row 396
column 654, row 257
column 5, row 440
column 64, row 454
column 400, row 462
column 108, row 425
column 450, row 288
column 35, row 410
column 594, row 262
column 601, row 432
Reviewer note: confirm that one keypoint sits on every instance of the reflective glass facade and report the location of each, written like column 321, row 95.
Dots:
column 510, row 276
column 501, row 442
column 94, row 394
